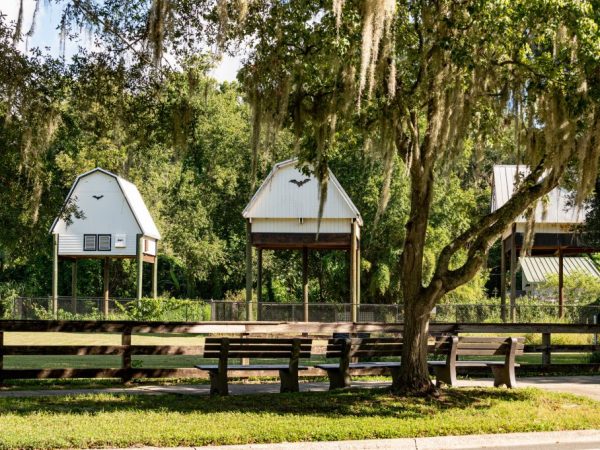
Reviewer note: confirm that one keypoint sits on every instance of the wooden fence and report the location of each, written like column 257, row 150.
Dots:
column 126, row 350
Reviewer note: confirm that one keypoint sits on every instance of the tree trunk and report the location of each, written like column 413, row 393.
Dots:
column 414, row 374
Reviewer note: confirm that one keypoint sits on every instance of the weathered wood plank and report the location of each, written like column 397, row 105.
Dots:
column 81, row 350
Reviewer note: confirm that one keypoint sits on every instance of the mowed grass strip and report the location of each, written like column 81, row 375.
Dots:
column 170, row 420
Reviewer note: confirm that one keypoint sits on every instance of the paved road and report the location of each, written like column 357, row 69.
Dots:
column 561, row 440
column 588, row 386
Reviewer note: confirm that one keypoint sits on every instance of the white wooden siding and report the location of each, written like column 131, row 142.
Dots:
column 294, row 226
column 72, row 245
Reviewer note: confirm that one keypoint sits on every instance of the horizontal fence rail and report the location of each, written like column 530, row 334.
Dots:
column 127, row 369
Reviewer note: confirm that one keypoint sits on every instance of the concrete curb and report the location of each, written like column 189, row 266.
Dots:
column 564, row 440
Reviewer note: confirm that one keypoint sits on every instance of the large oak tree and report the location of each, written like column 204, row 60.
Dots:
column 421, row 78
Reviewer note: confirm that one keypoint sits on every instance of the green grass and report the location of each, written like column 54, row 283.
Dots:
column 168, row 420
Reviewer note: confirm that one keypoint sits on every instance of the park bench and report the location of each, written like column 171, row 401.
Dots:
column 503, row 370
column 349, row 350
column 292, row 349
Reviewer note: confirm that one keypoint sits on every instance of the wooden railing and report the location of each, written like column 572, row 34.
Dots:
column 126, row 350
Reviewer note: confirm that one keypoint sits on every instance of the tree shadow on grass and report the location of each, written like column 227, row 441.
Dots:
column 356, row 403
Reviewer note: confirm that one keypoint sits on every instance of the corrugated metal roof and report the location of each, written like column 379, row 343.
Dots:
column 287, row 193
column 134, row 200
column 537, row 268
column 554, row 208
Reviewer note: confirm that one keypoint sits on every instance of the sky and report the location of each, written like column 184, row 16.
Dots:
column 47, row 36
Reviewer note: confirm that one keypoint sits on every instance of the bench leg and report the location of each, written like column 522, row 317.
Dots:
column 338, row 379
column 444, row 375
column 218, row 383
column 289, row 381
column 504, row 375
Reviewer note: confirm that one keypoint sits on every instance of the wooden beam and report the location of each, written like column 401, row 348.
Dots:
column 503, row 281
column 248, row 270
column 513, row 273
column 55, row 275
column 149, row 258
column 126, row 355
column 106, row 293
column 305, row 282
column 354, row 314
column 259, row 279
column 301, row 240
column 74, row 287
column 561, row 282
column 140, row 267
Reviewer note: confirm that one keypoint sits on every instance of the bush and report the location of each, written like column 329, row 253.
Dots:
column 166, row 309
column 578, row 287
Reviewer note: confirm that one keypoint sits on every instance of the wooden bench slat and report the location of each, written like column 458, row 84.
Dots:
column 255, row 354
column 480, row 352
column 256, row 347
column 476, row 339
column 249, row 340
column 212, row 367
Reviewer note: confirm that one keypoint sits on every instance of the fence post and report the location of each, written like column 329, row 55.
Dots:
column 1, row 357
column 126, row 344
column 546, row 352
column 213, row 310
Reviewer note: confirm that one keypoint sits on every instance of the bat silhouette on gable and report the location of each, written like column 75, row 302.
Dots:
column 97, row 197
column 300, row 183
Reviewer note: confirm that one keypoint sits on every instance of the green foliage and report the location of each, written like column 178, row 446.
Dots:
column 579, row 287
column 165, row 309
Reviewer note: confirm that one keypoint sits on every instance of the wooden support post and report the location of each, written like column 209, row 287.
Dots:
column 561, row 282
column 74, row 287
column 513, row 273
column 259, row 284
column 248, row 270
column 126, row 362
column 106, row 293
column 353, row 272
column 503, row 281
column 55, row 275
column 357, row 267
column 140, row 267
column 1, row 356
column 305, row 282
column 155, row 274
column 546, row 353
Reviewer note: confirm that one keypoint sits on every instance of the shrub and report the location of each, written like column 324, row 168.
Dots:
column 579, row 288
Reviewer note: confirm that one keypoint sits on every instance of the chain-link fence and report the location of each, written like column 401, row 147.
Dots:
column 463, row 313
column 197, row 310
column 92, row 308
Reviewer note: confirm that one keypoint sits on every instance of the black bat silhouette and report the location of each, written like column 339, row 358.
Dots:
column 97, row 197
column 300, row 183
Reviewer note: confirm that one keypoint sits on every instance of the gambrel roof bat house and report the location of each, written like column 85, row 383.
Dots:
column 284, row 214
column 104, row 216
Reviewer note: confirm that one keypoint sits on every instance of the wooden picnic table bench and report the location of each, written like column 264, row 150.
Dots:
column 503, row 370
column 347, row 350
column 292, row 349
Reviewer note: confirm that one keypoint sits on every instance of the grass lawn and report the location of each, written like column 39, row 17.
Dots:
column 169, row 420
